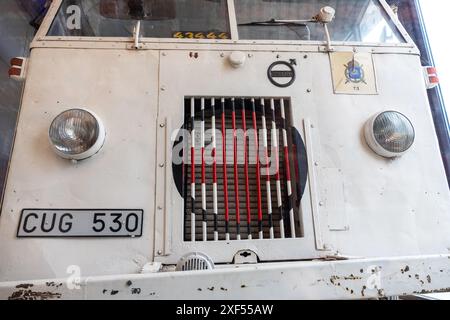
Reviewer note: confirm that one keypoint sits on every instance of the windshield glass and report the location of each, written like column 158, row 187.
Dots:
column 196, row 19
column 356, row 20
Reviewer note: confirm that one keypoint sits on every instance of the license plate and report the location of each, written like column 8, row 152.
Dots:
column 80, row 223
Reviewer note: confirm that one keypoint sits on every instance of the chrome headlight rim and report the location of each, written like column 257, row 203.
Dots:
column 369, row 133
column 94, row 149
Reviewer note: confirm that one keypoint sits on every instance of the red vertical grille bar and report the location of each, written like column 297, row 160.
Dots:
column 236, row 172
column 247, row 184
column 258, row 172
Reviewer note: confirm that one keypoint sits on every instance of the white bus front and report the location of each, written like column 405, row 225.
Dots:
column 223, row 149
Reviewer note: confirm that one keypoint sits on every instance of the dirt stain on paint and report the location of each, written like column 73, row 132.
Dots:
column 27, row 294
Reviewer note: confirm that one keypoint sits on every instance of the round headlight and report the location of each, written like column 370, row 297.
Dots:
column 77, row 134
column 390, row 134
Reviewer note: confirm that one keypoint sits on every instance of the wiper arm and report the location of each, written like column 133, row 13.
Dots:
column 275, row 22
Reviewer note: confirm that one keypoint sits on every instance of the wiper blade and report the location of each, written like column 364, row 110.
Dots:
column 275, row 22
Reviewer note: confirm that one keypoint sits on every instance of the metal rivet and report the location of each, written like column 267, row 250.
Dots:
column 161, row 165
column 321, row 203
column 222, row 55
column 164, row 54
column 162, row 125
column 159, row 252
column 160, row 208
column 163, row 88
column 305, row 56
column 316, row 164
column 308, row 90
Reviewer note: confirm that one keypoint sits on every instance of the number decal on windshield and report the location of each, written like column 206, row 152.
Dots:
column 200, row 35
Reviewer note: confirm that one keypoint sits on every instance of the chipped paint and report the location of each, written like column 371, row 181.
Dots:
column 24, row 286
column 26, row 294
column 136, row 291
column 53, row 284
column 405, row 270
column 445, row 290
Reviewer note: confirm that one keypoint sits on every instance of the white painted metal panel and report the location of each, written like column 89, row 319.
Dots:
column 210, row 74
column 358, row 279
column 121, row 87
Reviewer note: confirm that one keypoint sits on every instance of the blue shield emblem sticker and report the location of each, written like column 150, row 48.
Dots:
column 354, row 72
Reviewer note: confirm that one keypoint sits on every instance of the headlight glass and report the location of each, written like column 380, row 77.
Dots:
column 394, row 132
column 75, row 132
column 390, row 134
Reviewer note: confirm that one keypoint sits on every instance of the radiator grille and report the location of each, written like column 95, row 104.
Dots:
column 250, row 215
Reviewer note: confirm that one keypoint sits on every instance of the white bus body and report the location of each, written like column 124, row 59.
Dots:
column 367, row 226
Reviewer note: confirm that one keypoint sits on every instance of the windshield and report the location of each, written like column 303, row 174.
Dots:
column 195, row 19
column 356, row 20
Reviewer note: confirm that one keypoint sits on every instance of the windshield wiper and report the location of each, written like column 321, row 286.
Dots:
column 275, row 22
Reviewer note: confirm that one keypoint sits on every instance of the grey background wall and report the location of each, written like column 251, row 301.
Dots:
column 15, row 36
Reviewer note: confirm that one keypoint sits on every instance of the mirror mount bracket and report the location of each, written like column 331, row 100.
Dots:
column 137, row 35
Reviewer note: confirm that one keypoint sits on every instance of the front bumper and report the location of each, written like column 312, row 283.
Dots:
column 349, row 279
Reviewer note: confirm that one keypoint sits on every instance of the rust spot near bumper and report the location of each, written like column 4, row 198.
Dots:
column 26, row 294
column 24, row 286
column 445, row 290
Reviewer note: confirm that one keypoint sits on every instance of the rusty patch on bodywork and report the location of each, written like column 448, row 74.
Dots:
column 53, row 284
column 26, row 294
column 445, row 290
column 24, row 286
column 335, row 279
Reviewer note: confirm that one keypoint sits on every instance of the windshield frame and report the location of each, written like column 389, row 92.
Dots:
column 56, row 4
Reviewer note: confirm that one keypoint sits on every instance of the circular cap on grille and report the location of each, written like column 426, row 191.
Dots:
column 195, row 261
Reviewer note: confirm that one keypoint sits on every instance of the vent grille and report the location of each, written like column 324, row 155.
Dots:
column 225, row 197
column 195, row 261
